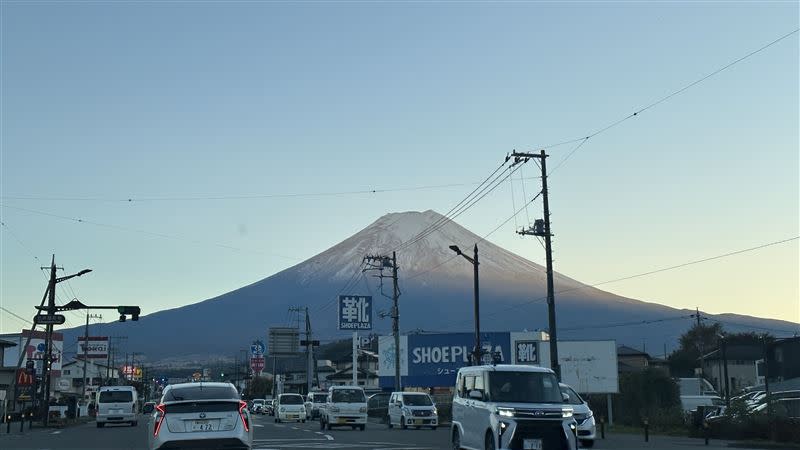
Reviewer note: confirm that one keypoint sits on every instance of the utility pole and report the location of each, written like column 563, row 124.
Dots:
column 541, row 228
column 702, row 350
column 310, row 344
column 48, row 352
column 385, row 262
column 477, row 351
column 86, row 351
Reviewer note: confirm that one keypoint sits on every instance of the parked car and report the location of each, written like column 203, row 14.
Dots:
column 290, row 407
column 511, row 406
column 116, row 404
column 344, row 406
column 196, row 415
column 412, row 409
column 584, row 417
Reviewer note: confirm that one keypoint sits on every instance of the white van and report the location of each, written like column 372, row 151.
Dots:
column 344, row 406
column 117, row 404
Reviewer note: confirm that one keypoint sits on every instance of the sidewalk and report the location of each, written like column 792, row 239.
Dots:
column 624, row 441
column 39, row 426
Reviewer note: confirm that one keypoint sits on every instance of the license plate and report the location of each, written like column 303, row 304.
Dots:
column 532, row 444
column 342, row 421
column 418, row 421
column 116, row 411
column 202, row 425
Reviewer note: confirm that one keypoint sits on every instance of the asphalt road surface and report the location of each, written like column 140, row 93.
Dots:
column 271, row 436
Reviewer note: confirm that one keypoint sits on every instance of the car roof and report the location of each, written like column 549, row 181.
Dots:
column 117, row 388
column 201, row 383
column 409, row 393
column 507, row 368
column 333, row 388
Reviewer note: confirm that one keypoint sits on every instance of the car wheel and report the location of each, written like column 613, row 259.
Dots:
column 354, row 427
column 135, row 423
column 489, row 445
column 328, row 426
column 433, row 427
column 389, row 422
column 276, row 420
column 403, row 423
column 100, row 424
column 456, row 440
column 587, row 443
column 363, row 427
column 321, row 424
column 304, row 420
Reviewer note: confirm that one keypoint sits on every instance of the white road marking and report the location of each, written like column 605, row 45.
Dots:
column 258, row 425
column 329, row 437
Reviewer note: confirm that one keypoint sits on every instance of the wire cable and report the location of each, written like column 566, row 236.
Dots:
column 636, row 113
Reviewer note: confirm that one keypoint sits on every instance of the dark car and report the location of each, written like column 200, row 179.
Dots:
column 378, row 405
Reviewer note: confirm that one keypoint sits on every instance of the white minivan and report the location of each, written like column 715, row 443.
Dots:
column 117, row 404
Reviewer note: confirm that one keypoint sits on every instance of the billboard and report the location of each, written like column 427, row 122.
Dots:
column 35, row 351
column 590, row 367
column 97, row 347
column 284, row 341
column 433, row 360
column 355, row 312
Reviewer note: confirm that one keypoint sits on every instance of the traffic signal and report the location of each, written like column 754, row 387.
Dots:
column 132, row 311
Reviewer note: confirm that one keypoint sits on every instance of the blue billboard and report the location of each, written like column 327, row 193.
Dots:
column 433, row 360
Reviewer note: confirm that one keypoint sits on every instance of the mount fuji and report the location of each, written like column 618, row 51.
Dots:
column 436, row 296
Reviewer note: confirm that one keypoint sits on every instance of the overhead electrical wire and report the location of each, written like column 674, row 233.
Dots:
column 651, row 272
column 583, row 140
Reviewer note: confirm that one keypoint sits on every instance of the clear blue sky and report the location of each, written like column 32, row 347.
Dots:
column 147, row 99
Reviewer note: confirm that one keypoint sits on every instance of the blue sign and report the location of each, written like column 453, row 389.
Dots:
column 434, row 359
column 355, row 312
column 257, row 348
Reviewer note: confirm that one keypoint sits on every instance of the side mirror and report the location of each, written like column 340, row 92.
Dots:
column 565, row 397
column 476, row 394
column 147, row 409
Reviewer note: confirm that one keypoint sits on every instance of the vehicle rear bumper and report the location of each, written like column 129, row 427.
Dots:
column 348, row 419
column 115, row 418
column 204, row 444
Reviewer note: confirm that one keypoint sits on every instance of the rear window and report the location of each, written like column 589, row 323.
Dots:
column 203, row 406
column 417, row 400
column 348, row 396
column 320, row 398
column 201, row 393
column 116, row 397
column 291, row 400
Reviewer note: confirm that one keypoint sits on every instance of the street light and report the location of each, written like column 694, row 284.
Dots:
column 476, row 355
column 723, row 346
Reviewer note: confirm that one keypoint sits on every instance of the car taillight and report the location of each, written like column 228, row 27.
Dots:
column 242, row 408
column 162, row 414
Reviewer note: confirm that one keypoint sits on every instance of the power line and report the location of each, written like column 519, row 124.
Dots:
column 582, row 140
column 651, row 272
column 739, row 325
column 240, row 196
column 25, row 321
column 149, row 233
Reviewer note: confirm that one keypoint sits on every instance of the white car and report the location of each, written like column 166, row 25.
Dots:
column 415, row 409
column 116, row 404
column 313, row 403
column 200, row 415
column 344, row 406
column 584, row 417
column 290, row 407
column 511, row 406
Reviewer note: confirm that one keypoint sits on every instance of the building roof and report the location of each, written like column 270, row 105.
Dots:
column 624, row 350
column 737, row 352
column 347, row 374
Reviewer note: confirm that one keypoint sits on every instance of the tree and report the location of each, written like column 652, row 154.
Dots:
column 258, row 387
column 700, row 338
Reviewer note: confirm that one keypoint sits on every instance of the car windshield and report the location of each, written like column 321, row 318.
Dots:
column 116, row 397
column 524, row 387
column 258, row 402
column 291, row 400
column 348, row 396
column 574, row 398
column 320, row 398
column 200, row 392
column 417, row 400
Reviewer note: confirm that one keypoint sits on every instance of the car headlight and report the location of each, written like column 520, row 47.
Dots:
column 565, row 413
column 505, row 412
column 435, row 412
column 363, row 409
column 283, row 409
column 407, row 411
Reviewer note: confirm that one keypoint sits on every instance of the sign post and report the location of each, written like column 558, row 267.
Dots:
column 355, row 313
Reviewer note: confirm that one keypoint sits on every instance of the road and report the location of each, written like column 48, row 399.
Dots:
column 272, row 436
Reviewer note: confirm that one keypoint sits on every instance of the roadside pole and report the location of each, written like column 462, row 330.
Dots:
column 355, row 358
